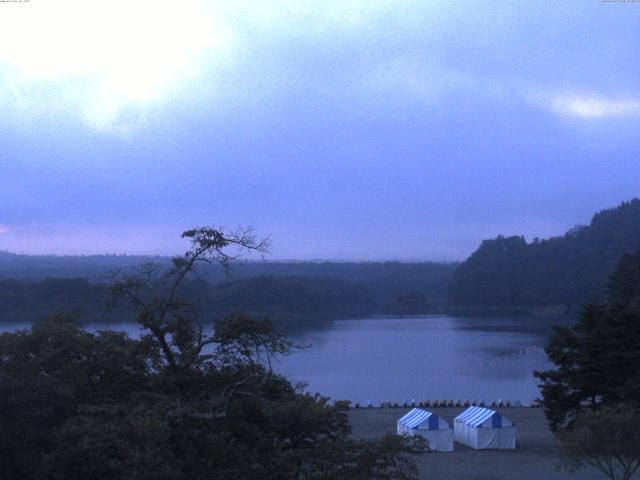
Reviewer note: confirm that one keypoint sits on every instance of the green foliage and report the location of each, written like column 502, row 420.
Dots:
column 567, row 270
column 294, row 300
column 47, row 373
column 624, row 284
column 308, row 291
column 363, row 460
column 176, row 404
column 607, row 439
column 240, row 338
column 20, row 299
column 293, row 295
column 598, row 360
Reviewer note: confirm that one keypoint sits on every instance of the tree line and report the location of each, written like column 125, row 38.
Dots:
column 295, row 300
column 387, row 282
column 309, row 299
column 176, row 403
column 592, row 396
column 566, row 271
column 503, row 274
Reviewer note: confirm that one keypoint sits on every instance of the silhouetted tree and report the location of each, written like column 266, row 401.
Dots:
column 598, row 360
column 176, row 404
column 48, row 373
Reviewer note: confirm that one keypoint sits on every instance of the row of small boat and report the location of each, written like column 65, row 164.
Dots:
column 444, row 403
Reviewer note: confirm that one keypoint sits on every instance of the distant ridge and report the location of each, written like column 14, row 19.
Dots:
column 564, row 271
column 40, row 283
column 34, row 267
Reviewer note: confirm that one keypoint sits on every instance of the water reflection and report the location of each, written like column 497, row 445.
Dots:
column 431, row 357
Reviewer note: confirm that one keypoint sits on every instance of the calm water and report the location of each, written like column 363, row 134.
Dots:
column 437, row 357
column 433, row 357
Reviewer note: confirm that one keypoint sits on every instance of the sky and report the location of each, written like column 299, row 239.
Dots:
column 344, row 130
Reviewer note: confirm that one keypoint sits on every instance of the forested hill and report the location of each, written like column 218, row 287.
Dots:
column 568, row 270
column 384, row 279
column 32, row 286
column 37, row 267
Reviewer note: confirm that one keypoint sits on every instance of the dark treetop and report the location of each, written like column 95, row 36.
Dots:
column 567, row 270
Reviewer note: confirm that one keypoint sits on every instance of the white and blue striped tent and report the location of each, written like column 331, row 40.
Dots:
column 434, row 429
column 482, row 428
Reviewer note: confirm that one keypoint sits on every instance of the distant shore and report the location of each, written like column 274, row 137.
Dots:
column 510, row 310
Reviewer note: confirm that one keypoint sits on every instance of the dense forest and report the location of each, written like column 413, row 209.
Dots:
column 288, row 299
column 308, row 291
column 597, row 360
column 308, row 298
column 592, row 392
column 504, row 274
column 176, row 403
column 387, row 281
column 565, row 271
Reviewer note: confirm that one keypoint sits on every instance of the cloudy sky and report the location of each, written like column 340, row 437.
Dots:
column 362, row 129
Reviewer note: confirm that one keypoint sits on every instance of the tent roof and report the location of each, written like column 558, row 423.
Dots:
column 475, row 416
column 415, row 417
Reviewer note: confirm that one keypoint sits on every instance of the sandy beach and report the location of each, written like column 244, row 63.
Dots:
column 536, row 458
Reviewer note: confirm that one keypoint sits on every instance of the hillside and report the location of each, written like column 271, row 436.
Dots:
column 567, row 270
column 285, row 298
column 389, row 282
column 32, row 286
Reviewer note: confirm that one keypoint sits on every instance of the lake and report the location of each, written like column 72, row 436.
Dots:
column 425, row 358
column 421, row 358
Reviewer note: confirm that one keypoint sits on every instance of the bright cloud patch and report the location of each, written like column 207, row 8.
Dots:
column 98, row 57
column 4, row 229
column 594, row 107
column 421, row 79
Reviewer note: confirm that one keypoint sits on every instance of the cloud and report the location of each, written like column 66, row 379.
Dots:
column 311, row 17
column 85, row 59
column 592, row 107
column 4, row 229
column 422, row 79
column 102, row 60
column 430, row 81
